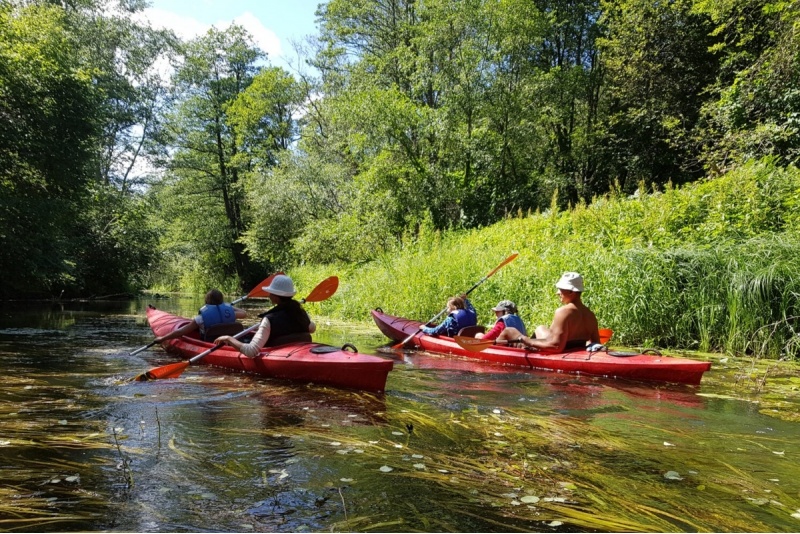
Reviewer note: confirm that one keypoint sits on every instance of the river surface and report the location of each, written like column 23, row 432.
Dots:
column 451, row 446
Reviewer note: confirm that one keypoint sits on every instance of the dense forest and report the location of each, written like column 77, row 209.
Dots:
column 130, row 159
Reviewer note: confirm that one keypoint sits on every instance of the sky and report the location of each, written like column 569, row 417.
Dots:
column 274, row 24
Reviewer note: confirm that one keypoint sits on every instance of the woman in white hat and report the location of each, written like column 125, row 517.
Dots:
column 574, row 325
column 285, row 322
column 507, row 317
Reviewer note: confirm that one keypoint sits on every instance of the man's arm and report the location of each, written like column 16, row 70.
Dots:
column 559, row 334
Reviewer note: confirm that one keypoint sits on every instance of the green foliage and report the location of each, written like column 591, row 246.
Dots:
column 709, row 266
column 757, row 105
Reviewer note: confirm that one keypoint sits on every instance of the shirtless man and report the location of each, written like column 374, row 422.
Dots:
column 574, row 325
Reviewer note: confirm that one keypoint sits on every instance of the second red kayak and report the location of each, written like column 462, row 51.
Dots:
column 629, row 365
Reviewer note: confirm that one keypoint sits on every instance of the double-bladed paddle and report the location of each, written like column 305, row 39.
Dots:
column 255, row 292
column 482, row 280
column 321, row 292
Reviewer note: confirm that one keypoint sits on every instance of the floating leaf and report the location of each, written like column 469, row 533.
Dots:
column 515, row 503
column 386, row 469
column 554, row 524
column 668, row 444
column 335, row 443
column 417, row 456
column 419, row 466
column 398, row 446
column 530, row 499
column 759, row 502
column 342, row 451
column 673, row 475
column 496, row 411
column 345, row 479
column 779, row 453
column 396, row 433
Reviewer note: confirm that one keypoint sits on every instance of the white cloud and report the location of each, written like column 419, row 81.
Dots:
column 265, row 38
column 184, row 27
column 189, row 28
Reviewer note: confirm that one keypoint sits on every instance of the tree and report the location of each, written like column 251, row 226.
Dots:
column 229, row 121
column 755, row 106
column 659, row 64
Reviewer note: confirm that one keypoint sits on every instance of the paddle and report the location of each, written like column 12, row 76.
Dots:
column 323, row 291
column 477, row 345
column 255, row 292
column 258, row 291
column 482, row 280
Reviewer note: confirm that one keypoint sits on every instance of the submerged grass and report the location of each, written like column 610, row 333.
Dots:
column 711, row 266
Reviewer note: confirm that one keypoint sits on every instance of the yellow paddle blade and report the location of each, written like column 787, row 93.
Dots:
column 473, row 345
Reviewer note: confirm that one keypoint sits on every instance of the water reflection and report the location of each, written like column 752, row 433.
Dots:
column 452, row 445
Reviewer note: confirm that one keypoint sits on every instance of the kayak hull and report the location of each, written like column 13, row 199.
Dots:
column 632, row 366
column 300, row 361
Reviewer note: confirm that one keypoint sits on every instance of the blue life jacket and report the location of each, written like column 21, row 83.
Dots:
column 463, row 318
column 213, row 314
column 455, row 321
column 511, row 319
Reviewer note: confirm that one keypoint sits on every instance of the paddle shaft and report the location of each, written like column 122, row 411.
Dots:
column 140, row 349
column 215, row 347
column 470, row 290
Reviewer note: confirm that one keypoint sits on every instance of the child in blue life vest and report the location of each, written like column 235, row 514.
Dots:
column 506, row 313
column 460, row 313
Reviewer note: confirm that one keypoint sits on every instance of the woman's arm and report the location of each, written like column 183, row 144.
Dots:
column 252, row 349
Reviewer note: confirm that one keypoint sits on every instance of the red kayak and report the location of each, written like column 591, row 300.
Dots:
column 629, row 365
column 300, row 361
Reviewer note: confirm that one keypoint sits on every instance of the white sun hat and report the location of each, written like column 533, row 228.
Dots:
column 570, row 281
column 282, row 286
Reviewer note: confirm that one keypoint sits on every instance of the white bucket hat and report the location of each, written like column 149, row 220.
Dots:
column 571, row 282
column 282, row 286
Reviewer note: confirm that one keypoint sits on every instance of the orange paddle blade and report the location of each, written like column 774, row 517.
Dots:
column 605, row 335
column 324, row 290
column 258, row 291
column 172, row 370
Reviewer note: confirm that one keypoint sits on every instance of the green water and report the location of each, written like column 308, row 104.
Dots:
column 451, row 445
